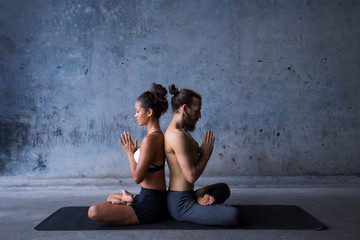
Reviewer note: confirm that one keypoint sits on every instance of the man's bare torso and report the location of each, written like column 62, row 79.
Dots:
column 177, row 179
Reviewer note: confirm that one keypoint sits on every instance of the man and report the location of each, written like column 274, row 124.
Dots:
column 187, row 161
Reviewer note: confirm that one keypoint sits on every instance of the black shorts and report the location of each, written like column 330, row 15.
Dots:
column 150, row 205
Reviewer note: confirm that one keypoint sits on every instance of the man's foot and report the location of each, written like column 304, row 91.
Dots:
column 205, row 200
column 126, row 196
column 202, row 191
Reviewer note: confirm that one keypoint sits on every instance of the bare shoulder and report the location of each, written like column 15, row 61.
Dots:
column 152, row 139
column 174, row 134
column 176, row 140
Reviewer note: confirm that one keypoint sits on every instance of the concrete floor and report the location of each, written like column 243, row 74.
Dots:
column 21, row 209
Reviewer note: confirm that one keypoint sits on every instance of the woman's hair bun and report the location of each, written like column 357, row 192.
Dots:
column 159, row 91
column 173, row 90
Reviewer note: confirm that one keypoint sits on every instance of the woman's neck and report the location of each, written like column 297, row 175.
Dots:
column 153, row 126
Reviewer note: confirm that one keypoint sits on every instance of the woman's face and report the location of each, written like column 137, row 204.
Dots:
column 140, row 115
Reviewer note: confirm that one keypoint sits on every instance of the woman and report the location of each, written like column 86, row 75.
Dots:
column 146, row 166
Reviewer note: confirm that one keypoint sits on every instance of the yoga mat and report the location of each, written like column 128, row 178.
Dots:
column 252, row 217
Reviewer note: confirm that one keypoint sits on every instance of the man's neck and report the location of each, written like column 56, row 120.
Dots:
column 177, row 122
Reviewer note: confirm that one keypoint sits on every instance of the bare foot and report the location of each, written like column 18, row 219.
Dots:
column 206, row 200
column 126, row 196
column 117, row 202
column 202, row 191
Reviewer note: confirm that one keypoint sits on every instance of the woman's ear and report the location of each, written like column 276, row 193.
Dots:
column 150, row 112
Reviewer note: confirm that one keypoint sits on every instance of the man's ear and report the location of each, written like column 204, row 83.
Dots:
column 184, row 107
column 150, row 112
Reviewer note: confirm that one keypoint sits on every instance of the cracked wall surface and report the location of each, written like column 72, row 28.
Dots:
column 279, row 80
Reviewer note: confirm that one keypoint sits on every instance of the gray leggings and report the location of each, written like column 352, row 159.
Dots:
column 182, row 206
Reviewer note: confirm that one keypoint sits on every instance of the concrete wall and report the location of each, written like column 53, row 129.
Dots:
column 279, row 79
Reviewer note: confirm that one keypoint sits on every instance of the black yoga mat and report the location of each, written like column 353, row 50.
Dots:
column 252, row 217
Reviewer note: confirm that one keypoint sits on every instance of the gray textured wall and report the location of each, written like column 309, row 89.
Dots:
column 280, row 82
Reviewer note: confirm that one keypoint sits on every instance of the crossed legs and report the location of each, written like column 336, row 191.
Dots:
column 113, row 213
column 115, row 210
column 185, row 206
column 122, row 198
column 212, row 194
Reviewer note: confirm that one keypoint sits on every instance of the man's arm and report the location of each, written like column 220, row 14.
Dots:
column 192, row 168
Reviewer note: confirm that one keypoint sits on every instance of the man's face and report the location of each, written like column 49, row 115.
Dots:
column 193, row 115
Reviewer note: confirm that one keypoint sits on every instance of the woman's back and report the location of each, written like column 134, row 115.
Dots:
column 155, row 177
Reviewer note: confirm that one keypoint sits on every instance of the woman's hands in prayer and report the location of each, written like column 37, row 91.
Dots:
column 127, row 143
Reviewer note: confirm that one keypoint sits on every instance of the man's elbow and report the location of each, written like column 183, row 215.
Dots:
column 191, row 179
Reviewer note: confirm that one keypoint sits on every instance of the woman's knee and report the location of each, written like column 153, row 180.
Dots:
column 93, row 212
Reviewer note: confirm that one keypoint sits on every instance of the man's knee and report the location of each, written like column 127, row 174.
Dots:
column 220, row 186
column 220, row 191
column 226, row 189
column 234, row 218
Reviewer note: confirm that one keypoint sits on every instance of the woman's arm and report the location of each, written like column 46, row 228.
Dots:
column 147, row 153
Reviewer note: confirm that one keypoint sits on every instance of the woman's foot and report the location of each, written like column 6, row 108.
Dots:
column 126, row 196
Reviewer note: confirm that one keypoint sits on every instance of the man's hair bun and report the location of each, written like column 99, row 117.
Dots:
column 184, row 96
column 173, row 90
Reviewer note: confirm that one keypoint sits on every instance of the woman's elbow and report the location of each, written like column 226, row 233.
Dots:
column 137, row 179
